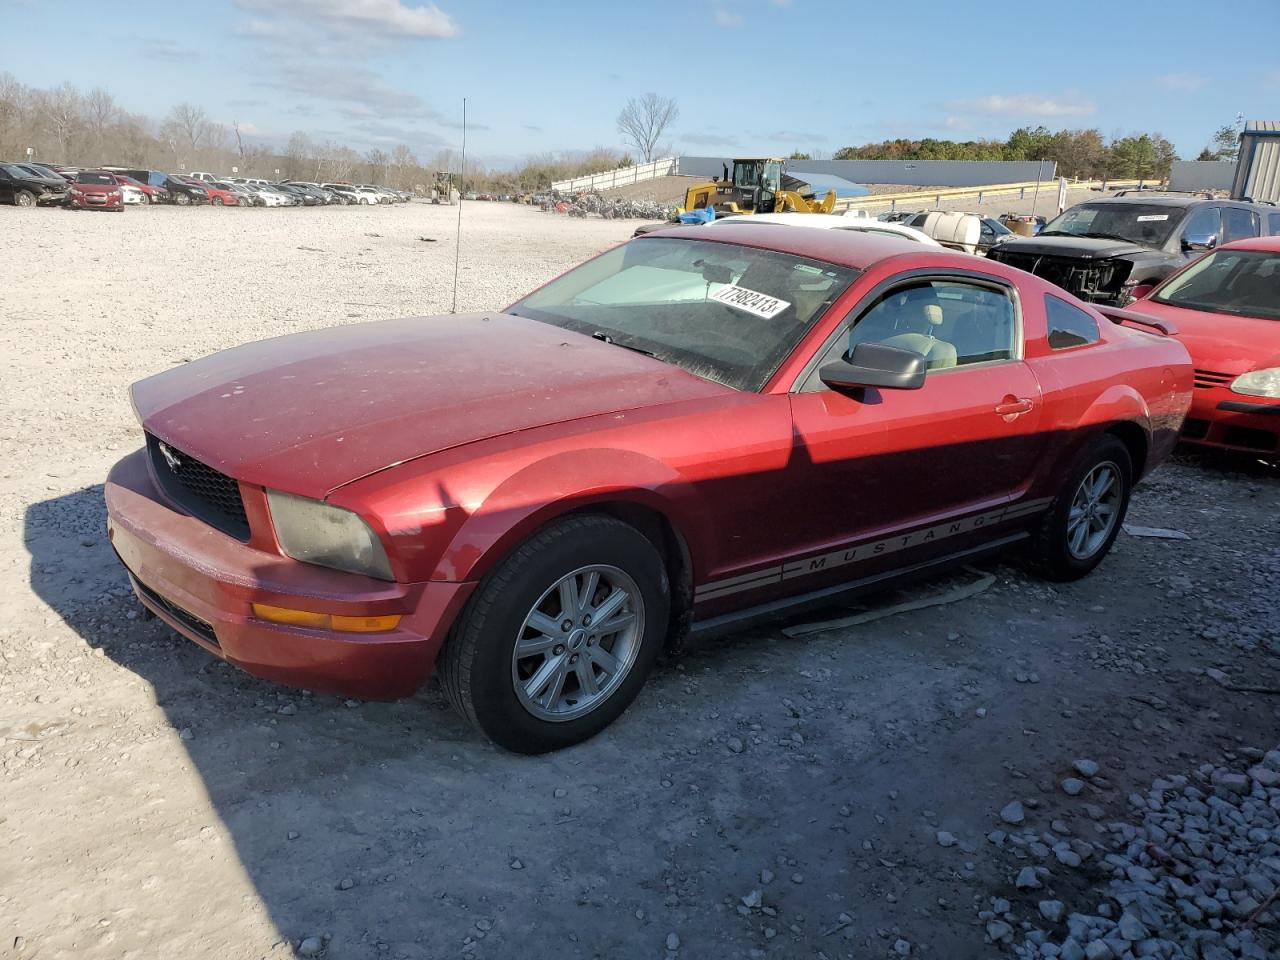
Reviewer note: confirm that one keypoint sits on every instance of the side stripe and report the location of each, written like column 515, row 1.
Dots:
column 866, row 551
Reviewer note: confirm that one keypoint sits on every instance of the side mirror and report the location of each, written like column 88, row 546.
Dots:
column 876, row 365
column 1199, row 241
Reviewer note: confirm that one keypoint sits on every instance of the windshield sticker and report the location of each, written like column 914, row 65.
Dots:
column 1153, row 216
column 758, row 304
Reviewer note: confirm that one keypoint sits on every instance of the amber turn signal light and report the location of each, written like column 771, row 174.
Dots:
column 326, row 621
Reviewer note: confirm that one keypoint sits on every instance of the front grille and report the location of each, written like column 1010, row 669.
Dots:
column 199, row 489
column 1208, row 379
column 1094, row 280
column 189, row 620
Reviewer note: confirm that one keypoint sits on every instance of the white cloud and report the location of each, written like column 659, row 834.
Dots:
column 1025, row 105
column 1180, row 82
column 957, row 123
column 383, row 19
column 727, row 19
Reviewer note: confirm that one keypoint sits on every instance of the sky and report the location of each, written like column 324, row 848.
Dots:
column 751, row 77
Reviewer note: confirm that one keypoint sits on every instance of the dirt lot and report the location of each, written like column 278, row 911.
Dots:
column 829, row 796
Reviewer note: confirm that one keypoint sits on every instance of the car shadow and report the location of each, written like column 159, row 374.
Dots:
column 392, row 829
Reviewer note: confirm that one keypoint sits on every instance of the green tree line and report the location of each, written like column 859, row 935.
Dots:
column 1085, row 154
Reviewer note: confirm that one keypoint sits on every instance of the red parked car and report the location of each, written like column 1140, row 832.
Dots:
column 1226, row 306
column 688, row 432
column 95, row 190
column 220, row 195
column 153, row 194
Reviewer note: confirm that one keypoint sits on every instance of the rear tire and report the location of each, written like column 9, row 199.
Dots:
column 529, row 599
column 1085, row 518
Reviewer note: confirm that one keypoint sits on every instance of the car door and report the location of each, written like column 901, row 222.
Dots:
column 6, row 186
column 875, row 461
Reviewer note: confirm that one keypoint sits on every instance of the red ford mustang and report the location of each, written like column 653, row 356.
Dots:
column 688, row 432
column 1227, row 309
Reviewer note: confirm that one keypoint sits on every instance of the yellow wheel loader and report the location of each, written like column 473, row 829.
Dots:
column 758, row 185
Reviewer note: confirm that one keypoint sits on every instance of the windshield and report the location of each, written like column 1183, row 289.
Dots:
column 1238, row 282
column 1146, row 223
column 102, row 179
column 721, row 311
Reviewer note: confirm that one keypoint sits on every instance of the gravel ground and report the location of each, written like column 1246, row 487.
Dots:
column 876, row 791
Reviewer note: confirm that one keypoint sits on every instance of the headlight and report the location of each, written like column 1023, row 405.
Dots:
column 1258, row 383
column 329, row 536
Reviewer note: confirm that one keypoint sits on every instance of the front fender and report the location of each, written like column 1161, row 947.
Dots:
column 562, row 483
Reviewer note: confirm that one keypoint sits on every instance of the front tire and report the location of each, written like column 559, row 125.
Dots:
column 559, row 637
column 1086, row 516
column 24, row 198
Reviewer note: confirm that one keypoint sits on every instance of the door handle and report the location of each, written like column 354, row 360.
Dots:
column 1013, row 407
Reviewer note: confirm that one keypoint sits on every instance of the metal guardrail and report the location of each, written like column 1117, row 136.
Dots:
column 619, row 177
column 918, row 198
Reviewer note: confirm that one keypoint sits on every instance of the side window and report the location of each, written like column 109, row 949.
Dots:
column 1204, row 223
column 951, row 323
column 1238, row 224
column 1273, row 224
column 1068, row 326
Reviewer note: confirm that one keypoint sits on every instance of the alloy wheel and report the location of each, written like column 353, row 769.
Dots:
column 578, row 643
column 1095, row 509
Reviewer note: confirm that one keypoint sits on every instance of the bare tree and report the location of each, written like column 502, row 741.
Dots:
column 642, row 122
column 188, row 125
column 377, row 160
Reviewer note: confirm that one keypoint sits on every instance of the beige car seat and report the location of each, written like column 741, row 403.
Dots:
column 921, row 338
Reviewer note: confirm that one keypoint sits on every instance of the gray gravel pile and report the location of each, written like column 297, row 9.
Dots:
column 1196, row 877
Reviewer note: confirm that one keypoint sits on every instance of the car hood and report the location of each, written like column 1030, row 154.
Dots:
column 310, row 412
column 1083, row 248
column 1219, row 341
column 96, row 187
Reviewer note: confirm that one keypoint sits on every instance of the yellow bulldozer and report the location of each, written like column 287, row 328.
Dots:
column 758, row 185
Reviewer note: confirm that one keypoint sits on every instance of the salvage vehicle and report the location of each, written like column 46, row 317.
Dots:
column 23, row 188
column 96, row 190
column 222, row 194
column 153, row 194
column 757, row 185
column 1226, row 307
column 1102, row 249
column 693, row 431
column 183, row 192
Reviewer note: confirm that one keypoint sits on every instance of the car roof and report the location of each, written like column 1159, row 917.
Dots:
column 1263, row 244
column 832, row 221
column 847, row 248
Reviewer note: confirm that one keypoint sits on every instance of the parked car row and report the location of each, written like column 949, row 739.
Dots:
column 29, row 184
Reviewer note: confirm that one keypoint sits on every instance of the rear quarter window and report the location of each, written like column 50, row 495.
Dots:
column 1068, row 325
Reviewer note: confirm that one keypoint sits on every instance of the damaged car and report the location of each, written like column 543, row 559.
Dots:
column 1102, row 249
column 693, row 431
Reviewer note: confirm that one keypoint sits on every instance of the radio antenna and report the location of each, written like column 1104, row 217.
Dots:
column 462, row 180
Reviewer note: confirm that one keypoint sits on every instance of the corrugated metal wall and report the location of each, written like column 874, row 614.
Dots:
column 915, row 173
column 1258, row 169
column 1201, row 175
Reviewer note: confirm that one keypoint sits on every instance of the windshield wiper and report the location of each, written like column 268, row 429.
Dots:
column 605, row 338
column 1109, row 236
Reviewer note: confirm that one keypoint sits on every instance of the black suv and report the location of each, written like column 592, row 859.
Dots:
column 23, row 188
column 1101, row 249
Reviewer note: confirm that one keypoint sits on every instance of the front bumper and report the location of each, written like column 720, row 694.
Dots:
column 1232, row 421
column 203, row 583
column 96, row 201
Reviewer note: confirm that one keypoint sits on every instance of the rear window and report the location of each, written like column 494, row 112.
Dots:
column 1069, row 326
